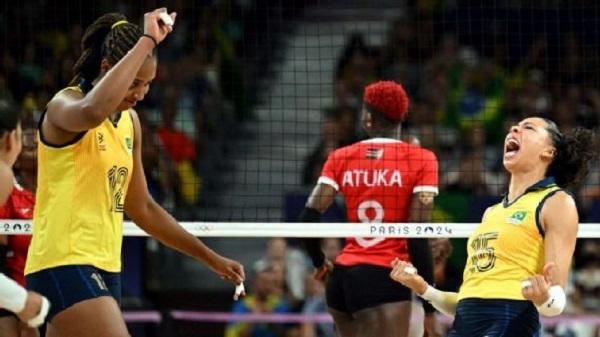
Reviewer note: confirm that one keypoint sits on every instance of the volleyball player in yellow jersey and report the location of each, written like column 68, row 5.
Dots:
column 520, row 255
column 90, row 172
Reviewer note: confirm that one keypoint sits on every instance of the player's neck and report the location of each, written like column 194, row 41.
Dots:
column 393, row 134
column 520, row 182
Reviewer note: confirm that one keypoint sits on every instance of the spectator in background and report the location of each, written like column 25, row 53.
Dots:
column 315, row 295
column 179, row 147
column 315, row 304
column 400, row 59
column 29, row 70
column 293, row 264
column 356, row 68
column 473, row 168
column 263, row 298
column 477, row 88
column 583, row 291
column 338, row 130
column 159, row 170
column 534, row 99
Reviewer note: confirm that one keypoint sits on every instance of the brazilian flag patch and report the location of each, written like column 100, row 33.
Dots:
column 129, row 144
column 517, row 218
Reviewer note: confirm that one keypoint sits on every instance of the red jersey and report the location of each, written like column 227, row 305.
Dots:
column 378, row 178
column 19, row 205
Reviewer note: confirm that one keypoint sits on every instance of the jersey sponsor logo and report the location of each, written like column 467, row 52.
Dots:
column 374, row 153
column 484, row 256
column 101, row 142
column 517, row 218
column 372, row 178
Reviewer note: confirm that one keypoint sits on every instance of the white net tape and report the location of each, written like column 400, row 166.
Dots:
column 302, row 230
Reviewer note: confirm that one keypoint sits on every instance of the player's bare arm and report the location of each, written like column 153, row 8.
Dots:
column 321, row 197
column 560, row 222
column 71, row 112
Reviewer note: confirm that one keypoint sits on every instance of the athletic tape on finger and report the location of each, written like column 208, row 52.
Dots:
column 166, row 18
column 239, row 290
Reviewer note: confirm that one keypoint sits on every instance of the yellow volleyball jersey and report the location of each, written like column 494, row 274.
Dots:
column 507, row 247
column 78, row 218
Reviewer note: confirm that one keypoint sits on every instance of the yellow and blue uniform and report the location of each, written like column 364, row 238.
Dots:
column 507, row 248
column 78, row 220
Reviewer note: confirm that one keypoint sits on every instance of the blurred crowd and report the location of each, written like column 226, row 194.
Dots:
column 282, row 282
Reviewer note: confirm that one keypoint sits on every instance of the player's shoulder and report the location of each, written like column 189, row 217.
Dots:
column 345, row 151
column 559, row 199
column 418, row 150
column 73, row 91
column 135, row 121
column 64, row 96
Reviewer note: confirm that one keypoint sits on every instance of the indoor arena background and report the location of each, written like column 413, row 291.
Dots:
column 252, row 95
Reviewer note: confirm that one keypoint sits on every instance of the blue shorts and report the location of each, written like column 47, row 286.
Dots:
column 495, row 318
column 65, row 286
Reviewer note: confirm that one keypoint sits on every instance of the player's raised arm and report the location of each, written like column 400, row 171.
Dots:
column 73, row 112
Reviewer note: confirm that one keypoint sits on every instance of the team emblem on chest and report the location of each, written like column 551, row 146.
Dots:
column 517, row 218
column 129, row 144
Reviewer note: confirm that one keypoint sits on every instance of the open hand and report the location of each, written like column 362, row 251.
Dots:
column 229, row 270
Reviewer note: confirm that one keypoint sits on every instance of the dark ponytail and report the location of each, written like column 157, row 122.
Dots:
column 102, row 40
column 10, row 116
column 575, row 151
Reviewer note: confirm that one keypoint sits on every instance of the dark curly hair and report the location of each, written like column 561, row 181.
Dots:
column 575, row 150
column 102, row 40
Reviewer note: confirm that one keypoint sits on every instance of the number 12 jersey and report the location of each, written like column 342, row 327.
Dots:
column 82, row 185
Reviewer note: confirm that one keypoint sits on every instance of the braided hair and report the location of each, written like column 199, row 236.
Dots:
column 109, row 37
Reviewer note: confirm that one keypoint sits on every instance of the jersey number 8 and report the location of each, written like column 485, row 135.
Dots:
column 364, row 218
